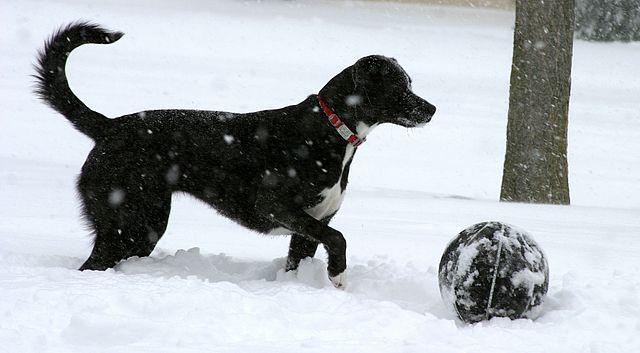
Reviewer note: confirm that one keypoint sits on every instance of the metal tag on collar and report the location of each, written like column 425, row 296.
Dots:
column 348, row 135
column 344, row 131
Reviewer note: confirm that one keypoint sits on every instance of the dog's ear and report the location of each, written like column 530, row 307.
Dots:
column 365, row 78
column 370, row 70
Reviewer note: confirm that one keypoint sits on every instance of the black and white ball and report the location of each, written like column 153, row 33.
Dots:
column 492, row 269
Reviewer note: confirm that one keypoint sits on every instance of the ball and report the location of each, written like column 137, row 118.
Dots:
column 493, row 269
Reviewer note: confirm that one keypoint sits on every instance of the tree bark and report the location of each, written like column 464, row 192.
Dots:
column 535, row 166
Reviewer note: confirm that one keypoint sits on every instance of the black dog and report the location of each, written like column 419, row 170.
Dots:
column 270, row 171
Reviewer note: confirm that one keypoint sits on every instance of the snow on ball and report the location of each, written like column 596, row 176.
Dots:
column 492, row 269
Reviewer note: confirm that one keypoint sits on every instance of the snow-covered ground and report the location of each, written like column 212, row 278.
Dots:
column 212, row 286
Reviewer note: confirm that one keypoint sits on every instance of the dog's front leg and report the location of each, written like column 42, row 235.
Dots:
column 303, row 224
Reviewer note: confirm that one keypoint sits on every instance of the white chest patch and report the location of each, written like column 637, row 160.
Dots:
column 332, row 196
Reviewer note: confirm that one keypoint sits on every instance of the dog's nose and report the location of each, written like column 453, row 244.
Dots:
column 431, row 109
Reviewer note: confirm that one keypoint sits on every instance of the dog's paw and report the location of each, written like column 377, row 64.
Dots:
column 339, row 281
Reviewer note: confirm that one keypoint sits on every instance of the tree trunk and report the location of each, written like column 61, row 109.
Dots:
column 608, row 20
column 535, row 166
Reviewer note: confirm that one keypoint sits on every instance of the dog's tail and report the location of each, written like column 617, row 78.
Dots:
column 51, row 78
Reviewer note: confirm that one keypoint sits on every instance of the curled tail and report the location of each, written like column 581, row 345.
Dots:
column 51, row 78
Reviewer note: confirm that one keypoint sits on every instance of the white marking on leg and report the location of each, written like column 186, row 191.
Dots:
column 339, row 281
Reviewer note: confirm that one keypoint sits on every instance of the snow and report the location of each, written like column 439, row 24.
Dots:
column 467, row 254
column 527, row 278
column 410, row 191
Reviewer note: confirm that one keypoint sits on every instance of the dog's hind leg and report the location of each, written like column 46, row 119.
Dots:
column 300, row 248
column 125, row 225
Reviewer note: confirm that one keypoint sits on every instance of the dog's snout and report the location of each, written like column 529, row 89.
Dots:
column 421, row 108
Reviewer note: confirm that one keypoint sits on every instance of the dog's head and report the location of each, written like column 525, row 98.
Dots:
column 377, row 90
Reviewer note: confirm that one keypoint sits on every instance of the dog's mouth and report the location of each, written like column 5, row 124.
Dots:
column 424, row 123
column 414, row 123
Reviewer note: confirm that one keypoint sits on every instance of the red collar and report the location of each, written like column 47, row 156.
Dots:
column 342, row 129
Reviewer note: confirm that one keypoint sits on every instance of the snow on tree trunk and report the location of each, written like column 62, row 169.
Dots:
column 535, row 167
column 608, row 20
